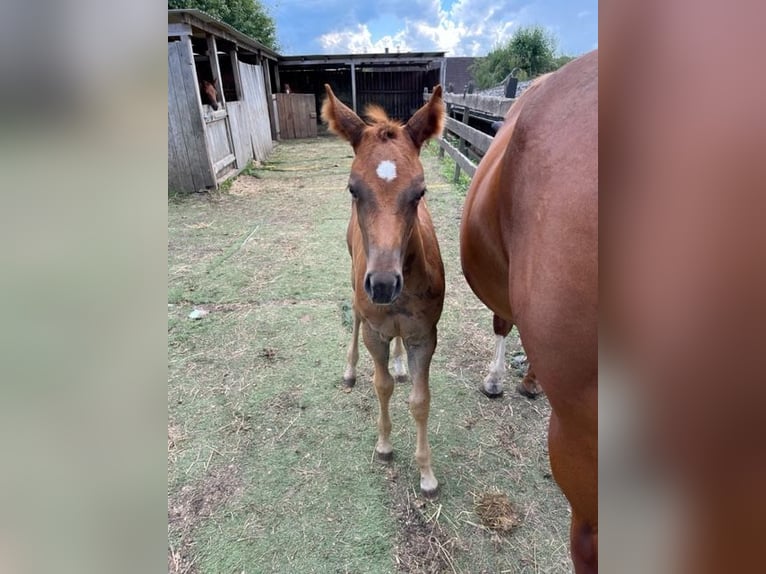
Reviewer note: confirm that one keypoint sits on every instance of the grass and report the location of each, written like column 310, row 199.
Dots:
column 270, row 465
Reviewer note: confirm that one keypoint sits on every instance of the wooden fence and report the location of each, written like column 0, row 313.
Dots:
column 470, row 144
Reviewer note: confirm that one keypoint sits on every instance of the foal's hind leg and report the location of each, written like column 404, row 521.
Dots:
column 419, row 355
column 379, row 349
column 352, row 355
column 400, row 372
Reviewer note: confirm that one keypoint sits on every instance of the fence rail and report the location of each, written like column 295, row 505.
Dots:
column 471, row 144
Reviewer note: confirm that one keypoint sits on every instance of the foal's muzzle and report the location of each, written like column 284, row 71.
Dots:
column 383, row 287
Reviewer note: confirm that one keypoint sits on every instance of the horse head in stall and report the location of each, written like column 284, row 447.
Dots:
column 396, row 267
column 209, row 93
column 529, row 250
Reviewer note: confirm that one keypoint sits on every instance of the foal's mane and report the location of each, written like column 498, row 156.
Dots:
column 378, row 119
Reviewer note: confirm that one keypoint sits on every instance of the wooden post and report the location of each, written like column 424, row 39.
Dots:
column 267, row 81
column 353, row 85
column 461, row 146
column 212, row 53
column 235, row 71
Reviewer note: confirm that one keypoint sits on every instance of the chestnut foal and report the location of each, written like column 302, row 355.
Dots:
column 396, row 267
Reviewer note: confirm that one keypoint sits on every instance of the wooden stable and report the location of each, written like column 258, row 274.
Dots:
column 206, row 146
column 394, row 81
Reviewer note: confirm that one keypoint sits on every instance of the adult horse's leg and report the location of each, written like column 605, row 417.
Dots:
column 379, row 349
column 400, row 372
column 492, row 386
column 419, row 355
column 352, row 355
column 529, row 387
column 574, row 462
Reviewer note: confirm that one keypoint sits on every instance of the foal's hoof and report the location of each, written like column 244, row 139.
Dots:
column 491, row 390
column 399, row 379
column 385, row 456
column 348, row 384
column 430, row 494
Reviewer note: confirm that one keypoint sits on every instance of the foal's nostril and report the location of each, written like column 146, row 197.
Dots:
column 368, row 285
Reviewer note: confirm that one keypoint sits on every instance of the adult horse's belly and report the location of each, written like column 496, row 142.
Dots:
column 482, row 253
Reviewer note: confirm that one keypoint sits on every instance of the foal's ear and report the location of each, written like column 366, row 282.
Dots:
column 341, row 119
column 428, row 121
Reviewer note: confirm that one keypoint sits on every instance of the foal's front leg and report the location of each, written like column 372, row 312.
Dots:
column 419, row 355
column 352, row 355
column 379, row 349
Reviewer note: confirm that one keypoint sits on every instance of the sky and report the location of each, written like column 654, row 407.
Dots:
column 458, row 27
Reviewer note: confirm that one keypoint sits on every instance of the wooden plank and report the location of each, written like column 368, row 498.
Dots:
column 202, row 166
column 240, row 131
column 223, row 162
column 476, row 138
column 464, row 163
column 189, row 108
column 256, row 105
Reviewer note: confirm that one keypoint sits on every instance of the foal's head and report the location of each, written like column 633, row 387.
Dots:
column 386, row 184
column 209, row 93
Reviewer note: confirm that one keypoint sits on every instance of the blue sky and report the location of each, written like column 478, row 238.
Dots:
column 458, row 27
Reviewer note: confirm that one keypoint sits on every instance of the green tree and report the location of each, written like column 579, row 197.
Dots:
column 248, row 16
column 530, row 49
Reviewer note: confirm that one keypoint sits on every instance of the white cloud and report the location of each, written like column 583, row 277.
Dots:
column 359, row 41
column 467, row 28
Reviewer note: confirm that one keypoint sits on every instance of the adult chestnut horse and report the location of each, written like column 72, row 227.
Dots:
column 529, row 250
column 397, row 273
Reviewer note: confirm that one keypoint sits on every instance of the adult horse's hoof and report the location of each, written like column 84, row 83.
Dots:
column 493, row 391
column 531, row 392
column 384, row 456
column 529, row 387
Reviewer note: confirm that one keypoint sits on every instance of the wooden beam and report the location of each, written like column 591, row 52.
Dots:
column 490, row 105
column 235, row 71
column 477, row 139
column 179, row 29
column 212, row 53
column 464, row 163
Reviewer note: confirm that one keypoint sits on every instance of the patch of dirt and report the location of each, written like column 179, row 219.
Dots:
column 422, row 545
column 285, row 402
column 496, row 512
column 192, row 506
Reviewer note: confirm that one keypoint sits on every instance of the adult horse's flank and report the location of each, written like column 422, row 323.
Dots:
column 529, row 249
column 397, row 273
column 209, row 93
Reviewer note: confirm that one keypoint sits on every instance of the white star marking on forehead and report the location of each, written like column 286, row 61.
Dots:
column 386, row 170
